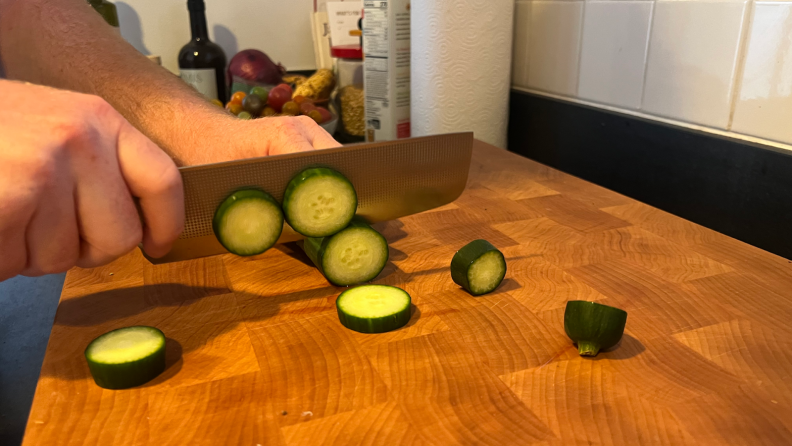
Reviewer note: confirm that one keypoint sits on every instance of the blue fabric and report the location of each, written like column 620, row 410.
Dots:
column 27, row 309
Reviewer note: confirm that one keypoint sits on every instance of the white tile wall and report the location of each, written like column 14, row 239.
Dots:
column 723, row 65
column 554, row 46
column 692, row 60
column 613, row 54
column 764, row 104
column 522, row 36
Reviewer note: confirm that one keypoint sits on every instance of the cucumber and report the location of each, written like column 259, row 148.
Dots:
column 356, row 254
column 478, row 267
column 592, row 326
column 319, row 202
column 126, row 357
column 248, row 222
column 373, row 308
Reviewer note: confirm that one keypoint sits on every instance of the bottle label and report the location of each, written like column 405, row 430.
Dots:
column 202, row 79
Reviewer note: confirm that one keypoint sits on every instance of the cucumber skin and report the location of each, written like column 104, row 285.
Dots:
column 377, row 325
column 128, row 374
column 303, row 176
column 465, row 257
column 315, row 247
column 597, row 325
column 240, row 195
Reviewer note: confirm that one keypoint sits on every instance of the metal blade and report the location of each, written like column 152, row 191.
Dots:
column 392, row 179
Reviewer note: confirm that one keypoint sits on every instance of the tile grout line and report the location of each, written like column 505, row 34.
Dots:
column 646, row 54
column 580, row 48
column 739, row 63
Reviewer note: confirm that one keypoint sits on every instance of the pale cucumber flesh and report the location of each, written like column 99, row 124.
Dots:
column 321, row 205
column 354, row 255
column 125, row 345
column 486, row 272
column 373, row 301
column 250, row 226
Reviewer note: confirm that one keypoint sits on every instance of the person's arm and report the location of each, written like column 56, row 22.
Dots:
column 66, row 44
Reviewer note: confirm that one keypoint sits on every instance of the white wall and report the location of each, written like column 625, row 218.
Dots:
column 280, row 28
column 719, row 65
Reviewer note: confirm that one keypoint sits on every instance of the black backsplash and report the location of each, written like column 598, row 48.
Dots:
column 738, row 188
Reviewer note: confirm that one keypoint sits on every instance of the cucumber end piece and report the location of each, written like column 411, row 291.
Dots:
column 588, row 348
column 593, row 326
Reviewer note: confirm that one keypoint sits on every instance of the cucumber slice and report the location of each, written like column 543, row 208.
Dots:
column 592, row 326
column 356, row 254
column 319, row 202
column 373, row 308
column 126, row 357
column 478, row 267
column 248, row 222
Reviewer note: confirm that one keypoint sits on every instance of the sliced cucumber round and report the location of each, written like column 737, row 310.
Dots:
column 478, row 267
column 374, row 308
column 356, row 254
column 319, row 202
column 126, row 357
column 248, row 222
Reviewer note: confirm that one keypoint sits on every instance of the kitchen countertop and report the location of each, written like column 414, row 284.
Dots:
column 257, row 355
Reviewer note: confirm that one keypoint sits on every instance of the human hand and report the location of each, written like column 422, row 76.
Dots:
column 68, row 175
column 223, row 137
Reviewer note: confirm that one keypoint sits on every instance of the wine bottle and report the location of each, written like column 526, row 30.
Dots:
column 107, row 10
column 202, row 62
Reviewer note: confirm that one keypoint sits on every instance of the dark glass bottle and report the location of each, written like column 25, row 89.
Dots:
column 202, row 63
column 107, row 10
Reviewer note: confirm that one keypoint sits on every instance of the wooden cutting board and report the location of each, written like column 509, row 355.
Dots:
column 257, row 355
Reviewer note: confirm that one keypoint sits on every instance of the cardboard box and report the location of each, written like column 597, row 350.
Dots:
column 386, row 66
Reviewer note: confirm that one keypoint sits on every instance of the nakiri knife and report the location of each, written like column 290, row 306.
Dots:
column 392, row 179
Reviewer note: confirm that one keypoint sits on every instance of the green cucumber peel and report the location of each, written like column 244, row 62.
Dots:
column 464, row 270
column 126, row 357
column 374, row 308
column 593, row 326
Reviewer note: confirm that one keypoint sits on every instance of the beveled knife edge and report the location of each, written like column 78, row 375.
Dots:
column 392, row 179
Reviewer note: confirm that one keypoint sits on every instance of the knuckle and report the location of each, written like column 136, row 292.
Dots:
column 70, row 130
column 67, row 259
column 305, row 120
column 168, row 182
column 83, row 131
column 128, row 241
column 44, row 169
column 11, row 265
column 18, row 205
column 125, row 238
column 95, row 105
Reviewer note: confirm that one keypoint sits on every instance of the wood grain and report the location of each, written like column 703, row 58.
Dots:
column 256, row 355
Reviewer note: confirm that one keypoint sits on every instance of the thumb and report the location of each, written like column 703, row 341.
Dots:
column 152, row 177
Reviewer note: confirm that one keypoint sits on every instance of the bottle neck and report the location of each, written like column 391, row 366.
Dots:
column 198, row 21
column 198, row 26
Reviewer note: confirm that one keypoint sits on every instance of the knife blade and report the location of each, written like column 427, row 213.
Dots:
column 392, row 179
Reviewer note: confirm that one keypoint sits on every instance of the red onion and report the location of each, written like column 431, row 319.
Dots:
column 255, row 66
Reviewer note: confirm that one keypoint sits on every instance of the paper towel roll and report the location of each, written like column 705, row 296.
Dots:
column 461, row 67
